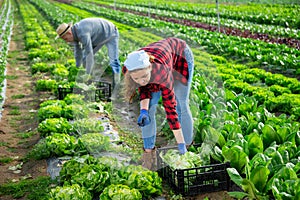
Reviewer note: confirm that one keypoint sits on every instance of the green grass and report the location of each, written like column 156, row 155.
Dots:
column 5, row 160
column 15, row 112
column 28, row 117
column 27, row 85
column 12, row 149
column 11, row 77
column 25, row 135
column 14, row 107
column 13, row 124
column 18, row 96
column 33, row 189
column 2, row 144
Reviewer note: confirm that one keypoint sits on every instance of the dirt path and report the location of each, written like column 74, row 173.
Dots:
column 18, row 121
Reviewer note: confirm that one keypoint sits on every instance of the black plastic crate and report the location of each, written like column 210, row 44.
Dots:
column 62, row 92
column 194, row 181
column 101, row 93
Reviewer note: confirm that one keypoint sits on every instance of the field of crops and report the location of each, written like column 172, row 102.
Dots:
column 245, row 99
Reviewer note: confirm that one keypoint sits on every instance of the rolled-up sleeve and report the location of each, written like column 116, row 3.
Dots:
column 169, row 103
column 88, row 54
column 78, row 54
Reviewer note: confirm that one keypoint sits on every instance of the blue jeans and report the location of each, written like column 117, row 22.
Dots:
column 182, row 93
column 113, row 53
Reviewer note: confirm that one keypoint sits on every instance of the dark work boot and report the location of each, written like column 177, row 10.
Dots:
column 115, row 87
column 116, row 80
column 149, row 160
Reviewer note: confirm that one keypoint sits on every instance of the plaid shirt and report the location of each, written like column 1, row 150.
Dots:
column 169, row 65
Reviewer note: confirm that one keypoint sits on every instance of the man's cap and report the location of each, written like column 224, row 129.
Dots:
column 63, row 29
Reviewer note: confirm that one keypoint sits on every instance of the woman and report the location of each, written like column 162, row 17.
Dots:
column 164, row 68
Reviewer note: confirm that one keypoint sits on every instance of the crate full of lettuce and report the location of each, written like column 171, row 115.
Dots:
column 191, row 173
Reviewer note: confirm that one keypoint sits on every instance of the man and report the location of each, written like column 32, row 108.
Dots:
column 88, row 36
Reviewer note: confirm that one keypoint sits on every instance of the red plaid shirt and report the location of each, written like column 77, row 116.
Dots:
column 169, row 64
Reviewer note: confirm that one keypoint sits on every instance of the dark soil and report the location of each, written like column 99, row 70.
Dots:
column 18, row 117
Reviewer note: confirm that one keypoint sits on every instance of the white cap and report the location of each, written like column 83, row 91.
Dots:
column 137, row 60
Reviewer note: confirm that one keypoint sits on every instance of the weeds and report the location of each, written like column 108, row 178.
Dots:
column 33, row 189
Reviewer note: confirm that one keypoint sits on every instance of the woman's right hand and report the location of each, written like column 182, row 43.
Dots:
column 182, row 148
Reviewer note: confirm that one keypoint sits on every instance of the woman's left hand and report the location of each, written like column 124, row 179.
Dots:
column 144, row 118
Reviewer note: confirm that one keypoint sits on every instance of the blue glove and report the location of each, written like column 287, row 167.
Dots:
column 182, row 148
column 144, row 118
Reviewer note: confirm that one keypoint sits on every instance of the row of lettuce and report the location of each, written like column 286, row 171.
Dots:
column 263, row 149
column 67, row 128
column 273, row 14
column 209, row 16
column 258, row 52
column 6, row 22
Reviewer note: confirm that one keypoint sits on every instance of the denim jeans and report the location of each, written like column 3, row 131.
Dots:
column 113, row 53
column 182, row 93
